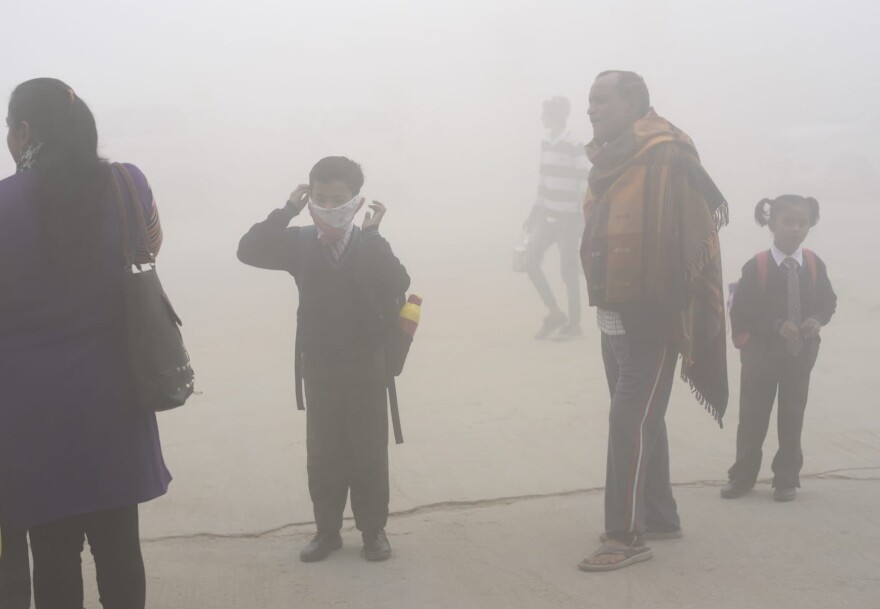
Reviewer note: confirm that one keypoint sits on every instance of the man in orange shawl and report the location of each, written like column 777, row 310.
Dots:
column 651, row 257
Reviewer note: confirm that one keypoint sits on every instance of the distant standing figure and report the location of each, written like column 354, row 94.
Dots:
column 557, row 218
column 779, row 307
column 652, row 260
column 77, row 455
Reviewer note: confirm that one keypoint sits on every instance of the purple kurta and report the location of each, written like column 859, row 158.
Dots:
column 71, row 439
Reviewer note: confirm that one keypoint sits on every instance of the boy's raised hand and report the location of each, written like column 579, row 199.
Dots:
column 374, row 218
column 299, row 197
column 811, row 327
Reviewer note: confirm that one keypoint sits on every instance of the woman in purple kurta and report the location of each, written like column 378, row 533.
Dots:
column 76, row 455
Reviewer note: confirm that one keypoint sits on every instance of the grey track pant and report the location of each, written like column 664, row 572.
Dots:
column 347, row 442
column 638, row 493
column 15, row 571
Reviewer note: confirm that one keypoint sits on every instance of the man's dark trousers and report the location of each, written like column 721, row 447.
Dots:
column 15, row 571
column 638, row 492
column 766, row 369
column 347, row 443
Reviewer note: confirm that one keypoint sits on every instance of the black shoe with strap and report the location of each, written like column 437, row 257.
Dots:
column 787, row 493
column 321, row 546
column 734, row 489
column 376, row 546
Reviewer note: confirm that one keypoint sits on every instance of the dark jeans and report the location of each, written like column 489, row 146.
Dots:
column 114, row 541
column 638, row 491
column 15, row 572
column 347, row 444
column 768, row 371
column 566, row 233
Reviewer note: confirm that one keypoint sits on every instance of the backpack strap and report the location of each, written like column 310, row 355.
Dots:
column 305, row 245
column 812, row 266
column 810, row 262
column 762, row 258
column 394, row 406
column 387, row 311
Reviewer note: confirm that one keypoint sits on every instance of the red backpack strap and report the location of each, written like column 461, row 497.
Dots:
column 812, row 266
column 762, row 258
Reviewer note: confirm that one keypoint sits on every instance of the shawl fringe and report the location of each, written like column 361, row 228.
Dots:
column 721, row 216
column 711, row 247
column 702, row 400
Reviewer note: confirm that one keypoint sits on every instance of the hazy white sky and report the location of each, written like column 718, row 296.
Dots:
column 223, row 102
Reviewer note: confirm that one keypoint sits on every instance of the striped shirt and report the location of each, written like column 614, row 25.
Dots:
column 562, row 181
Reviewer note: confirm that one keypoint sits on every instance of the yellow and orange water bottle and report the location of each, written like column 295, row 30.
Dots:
column 401, row 338
column 410, row 314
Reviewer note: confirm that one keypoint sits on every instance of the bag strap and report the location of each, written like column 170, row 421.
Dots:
column 762, row 259
column 810, row 260
column 304, row 248
column 124, row 233
column 386, row 318
column 394, row 406
column 140, row 218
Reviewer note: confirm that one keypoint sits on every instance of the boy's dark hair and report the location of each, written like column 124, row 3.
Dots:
column 632, row 86
column 339, row 168
column 71, row 179
column 767, row 209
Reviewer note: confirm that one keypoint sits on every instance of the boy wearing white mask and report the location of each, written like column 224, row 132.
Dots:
column 351, row 286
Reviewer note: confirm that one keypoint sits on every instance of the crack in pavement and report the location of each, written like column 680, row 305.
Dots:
column 448, row 506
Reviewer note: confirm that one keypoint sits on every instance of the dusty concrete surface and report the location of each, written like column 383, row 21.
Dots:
column 819, row 552
column 487, row 411
column 490, row 413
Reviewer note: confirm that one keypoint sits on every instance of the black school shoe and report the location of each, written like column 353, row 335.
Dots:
column 784, row 494
column 321, row 546
column 376, row 546
column 734, row 489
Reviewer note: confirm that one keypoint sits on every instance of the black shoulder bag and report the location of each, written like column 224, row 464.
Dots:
column 160, row 368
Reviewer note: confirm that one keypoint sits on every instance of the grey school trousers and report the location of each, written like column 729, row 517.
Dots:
column 769, row 374
column 638, row 492
column 347, row 444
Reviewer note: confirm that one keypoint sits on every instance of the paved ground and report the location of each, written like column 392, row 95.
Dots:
column 489, row 413
column 820, row 552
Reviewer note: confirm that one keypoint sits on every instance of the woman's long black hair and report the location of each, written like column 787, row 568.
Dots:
column 71, row 186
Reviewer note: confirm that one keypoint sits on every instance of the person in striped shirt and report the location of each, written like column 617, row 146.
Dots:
column 557, row 218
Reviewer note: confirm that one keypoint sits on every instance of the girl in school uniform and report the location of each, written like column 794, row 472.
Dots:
column 778, row 310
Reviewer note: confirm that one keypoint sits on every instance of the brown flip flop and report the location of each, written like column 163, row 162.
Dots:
column 652, row 535
column 630, row 557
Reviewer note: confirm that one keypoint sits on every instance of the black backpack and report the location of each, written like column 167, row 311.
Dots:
column 397, row 342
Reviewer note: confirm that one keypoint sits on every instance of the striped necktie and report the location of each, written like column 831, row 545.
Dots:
column 794, row 302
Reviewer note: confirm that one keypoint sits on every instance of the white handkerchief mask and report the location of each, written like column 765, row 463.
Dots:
column 334, row 223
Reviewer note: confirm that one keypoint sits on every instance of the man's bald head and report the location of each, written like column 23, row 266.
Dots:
column 618, row 99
